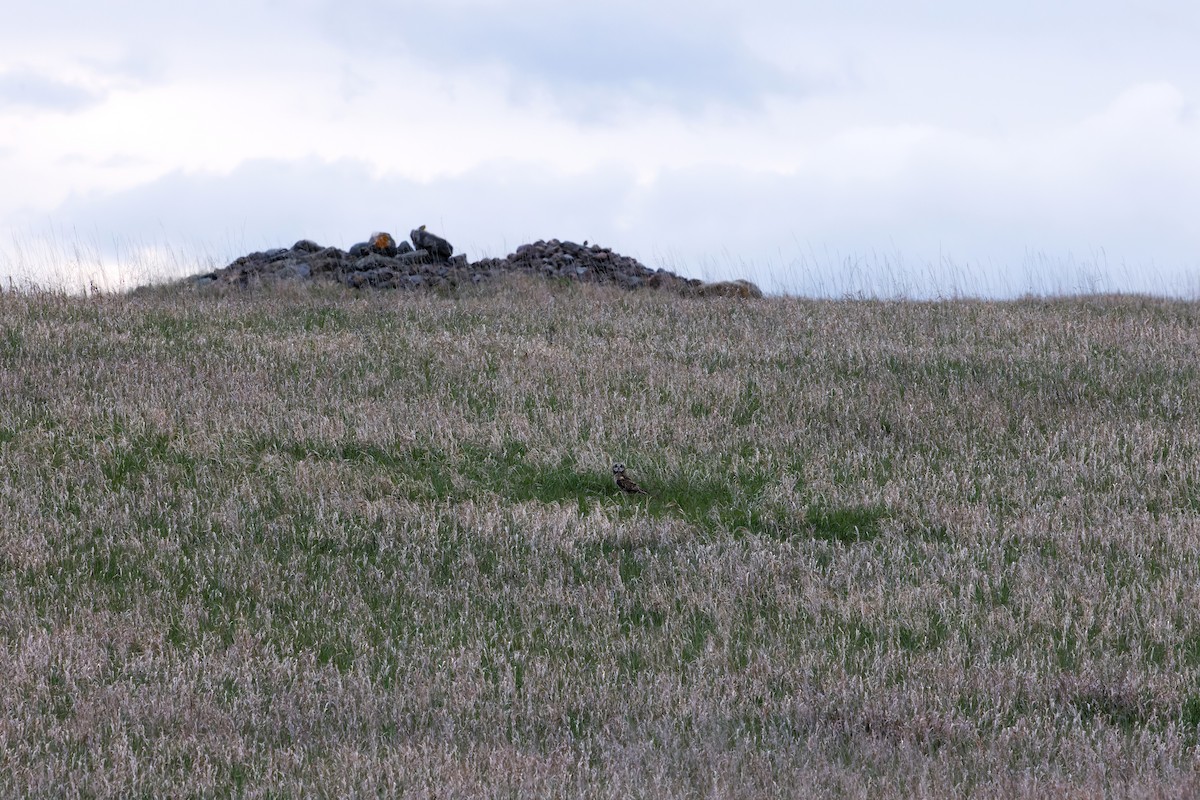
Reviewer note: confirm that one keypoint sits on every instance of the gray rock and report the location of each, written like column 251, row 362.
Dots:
column 293, row 270
column 374, row 261
column 359, row 250
column 382, row 278
column 324, row 266
column 413, row 257
column 329, row 259
column 436, row 246
column 307, row 246
column 382, row 243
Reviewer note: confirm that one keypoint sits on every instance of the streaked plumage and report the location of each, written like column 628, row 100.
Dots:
column 625, row 483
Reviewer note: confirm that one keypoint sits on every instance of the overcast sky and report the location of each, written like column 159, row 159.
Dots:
column 930, row 146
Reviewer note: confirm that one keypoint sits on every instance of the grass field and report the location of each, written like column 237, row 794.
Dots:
column 321, row 543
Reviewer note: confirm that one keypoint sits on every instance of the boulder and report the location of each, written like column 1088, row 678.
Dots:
column 437, row 247
column 293, row 271
column 373, row 261
column 383, row 243
column 414, row 257
column 329, row 259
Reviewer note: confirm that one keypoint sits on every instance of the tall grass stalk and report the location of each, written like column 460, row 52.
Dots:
column 315, row 542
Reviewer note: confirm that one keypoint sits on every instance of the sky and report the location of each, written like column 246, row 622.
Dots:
column 923, row 148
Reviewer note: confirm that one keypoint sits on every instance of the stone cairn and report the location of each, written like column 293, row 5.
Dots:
column 429, row 262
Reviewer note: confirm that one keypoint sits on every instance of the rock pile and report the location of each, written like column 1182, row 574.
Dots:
column 429, row 262
column 584, row 262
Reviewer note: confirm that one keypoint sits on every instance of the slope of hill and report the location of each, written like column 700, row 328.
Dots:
column 316, row 541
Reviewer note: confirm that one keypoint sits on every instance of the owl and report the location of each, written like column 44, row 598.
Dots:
column 625, row 483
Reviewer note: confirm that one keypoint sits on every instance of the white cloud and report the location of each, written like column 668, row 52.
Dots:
column 22, row 90
column 712, row 134
column 595, row 61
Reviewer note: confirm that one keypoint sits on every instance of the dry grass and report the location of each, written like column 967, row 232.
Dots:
column 336, row 544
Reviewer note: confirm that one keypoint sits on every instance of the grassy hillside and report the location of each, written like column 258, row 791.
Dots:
column 324, row 542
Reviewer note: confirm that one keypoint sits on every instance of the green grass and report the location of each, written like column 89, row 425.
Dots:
column 339, row 543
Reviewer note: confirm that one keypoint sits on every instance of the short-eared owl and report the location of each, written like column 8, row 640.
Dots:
column 625, row 483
